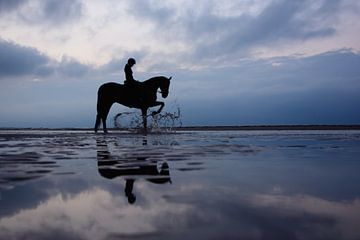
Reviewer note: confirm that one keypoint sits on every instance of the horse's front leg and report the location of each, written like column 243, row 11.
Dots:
column 157, row 104
column 144, row 117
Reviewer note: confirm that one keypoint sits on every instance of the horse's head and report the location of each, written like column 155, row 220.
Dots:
column 164, row 87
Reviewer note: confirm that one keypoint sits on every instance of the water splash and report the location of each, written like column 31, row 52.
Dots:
column 162, row 122
column 166, row 121
column 128, row 120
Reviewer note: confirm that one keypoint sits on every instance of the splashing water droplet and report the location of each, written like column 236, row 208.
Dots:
column 162, row 122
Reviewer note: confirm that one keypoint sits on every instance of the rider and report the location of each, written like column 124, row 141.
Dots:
column 128, row 72
column 132, row 85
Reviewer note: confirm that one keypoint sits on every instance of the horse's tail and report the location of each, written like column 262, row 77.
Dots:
column 101, row 96
column 98, row 108
column 98, row 101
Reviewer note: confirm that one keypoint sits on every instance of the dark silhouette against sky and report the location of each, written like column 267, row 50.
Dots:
column 140, row 95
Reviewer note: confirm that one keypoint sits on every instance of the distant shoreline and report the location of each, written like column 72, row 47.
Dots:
column 215, row 128
column 273, row 127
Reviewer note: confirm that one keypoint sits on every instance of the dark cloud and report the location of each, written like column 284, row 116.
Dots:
column 72, row 68
column 249, row 221
column 16, row 60
column 321, row 89
column 340, row 68
column 148, row 10
column 62, row 11
column 217, row 36
column 116, row 65
column 9, row 5
column 279, row 22
column 50, row 12
column 337, row 67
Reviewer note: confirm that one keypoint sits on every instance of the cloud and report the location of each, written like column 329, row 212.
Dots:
column 22, row 61
column 6, row 5
column 93, row 214
column 51, row 12
column 72, row 68
column 214, row 34
column 152, row 10
column 116, row 65
column 17, row 60
column 342, row 215
column 320, row 89
column 62, row 11
column 184, row 33
column 331, row 70
column 277, row 23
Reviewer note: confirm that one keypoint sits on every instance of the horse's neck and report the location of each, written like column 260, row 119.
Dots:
column 152, row 83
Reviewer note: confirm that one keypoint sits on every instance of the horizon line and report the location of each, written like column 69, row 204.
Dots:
column 213, row 127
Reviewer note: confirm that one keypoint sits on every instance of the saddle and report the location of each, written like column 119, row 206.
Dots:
column 137, row 91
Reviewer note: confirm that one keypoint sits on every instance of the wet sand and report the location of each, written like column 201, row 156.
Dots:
column 218, row 184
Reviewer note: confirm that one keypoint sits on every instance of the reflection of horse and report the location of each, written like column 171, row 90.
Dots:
column 130, row 167
column 140, row 95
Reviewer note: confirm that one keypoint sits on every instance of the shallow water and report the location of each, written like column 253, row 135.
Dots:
column 184, row 185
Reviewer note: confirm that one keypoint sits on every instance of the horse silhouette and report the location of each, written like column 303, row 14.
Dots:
column 141, row 95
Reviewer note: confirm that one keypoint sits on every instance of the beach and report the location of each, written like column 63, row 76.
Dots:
column 192, row 183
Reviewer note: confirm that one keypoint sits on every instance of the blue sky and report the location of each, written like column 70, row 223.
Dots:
column 233, row 62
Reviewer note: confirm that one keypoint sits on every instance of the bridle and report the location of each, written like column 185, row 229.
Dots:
column 163, row 92
column 166, row 91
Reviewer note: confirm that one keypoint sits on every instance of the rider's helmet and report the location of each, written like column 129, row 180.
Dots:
column 131, row 61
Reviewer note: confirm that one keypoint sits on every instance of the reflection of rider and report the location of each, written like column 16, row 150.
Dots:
column 129, row 79
column 129, row 185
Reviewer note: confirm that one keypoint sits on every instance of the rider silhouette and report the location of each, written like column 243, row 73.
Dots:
column 132, row 84
column 129, row 79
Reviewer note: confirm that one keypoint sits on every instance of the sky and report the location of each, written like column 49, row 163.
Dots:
column 244, row 62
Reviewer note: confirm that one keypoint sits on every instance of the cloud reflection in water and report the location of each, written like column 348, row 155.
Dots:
column 93, row 214
column 99, row 214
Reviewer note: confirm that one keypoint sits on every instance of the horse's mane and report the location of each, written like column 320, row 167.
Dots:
column 157, row 78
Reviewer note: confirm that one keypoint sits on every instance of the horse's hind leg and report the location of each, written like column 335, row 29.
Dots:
column 98, row 111
column 97, row 123
column 104, row 115
column 104, row 125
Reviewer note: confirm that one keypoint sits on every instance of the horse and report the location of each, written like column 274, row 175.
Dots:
column 141, row 95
